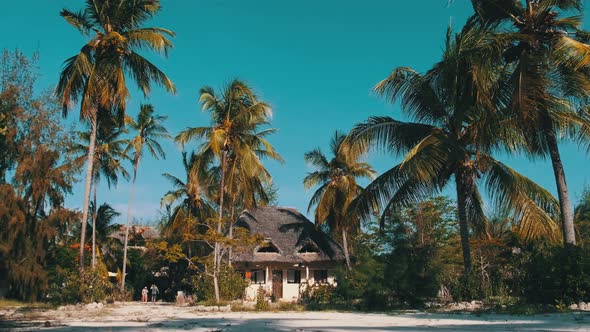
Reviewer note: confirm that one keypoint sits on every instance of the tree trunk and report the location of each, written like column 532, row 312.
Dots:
column 345, row 245
column 94, row 214
column 231, row 229
column 89, row 167
column 464, row 184
column 217, row 250
column 127, row 226
column 565, row 205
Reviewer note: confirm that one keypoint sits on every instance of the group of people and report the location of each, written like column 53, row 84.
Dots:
column 144, row 293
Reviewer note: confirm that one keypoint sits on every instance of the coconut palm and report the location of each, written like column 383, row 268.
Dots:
column 550, row 63
column 103, row 224
column 237, row 115
column 149, row 130
column 457, row 107
column 96, row 76
column 191, row 197
column 108, row 156
column 337, row 180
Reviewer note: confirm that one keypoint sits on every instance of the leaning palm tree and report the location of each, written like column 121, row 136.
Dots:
column 108, row 156
column 236, row 114
column 96, row 76
column 149, row 130
column 337, row 180
column 549, row 58
column 457, row 107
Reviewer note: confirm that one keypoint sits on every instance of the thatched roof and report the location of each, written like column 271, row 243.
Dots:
column 292, row 238
column 136, row 233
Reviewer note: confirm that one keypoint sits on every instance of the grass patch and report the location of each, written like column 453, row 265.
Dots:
column 25, row 306
column 7, row 303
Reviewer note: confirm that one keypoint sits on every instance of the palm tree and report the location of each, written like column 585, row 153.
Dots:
column 338, row 187
column 149, row 130
column 457, row 106
column 108, row 156
column 550, row 63
column 236, row 116
column 103, row 223
column 192, row 198
column 96, row 76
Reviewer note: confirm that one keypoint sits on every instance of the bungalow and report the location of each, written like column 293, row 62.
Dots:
column 293, row 253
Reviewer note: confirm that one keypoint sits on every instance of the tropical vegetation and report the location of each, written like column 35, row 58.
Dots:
column 513, row 81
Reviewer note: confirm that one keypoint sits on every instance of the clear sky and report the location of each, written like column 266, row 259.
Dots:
column 314, row 61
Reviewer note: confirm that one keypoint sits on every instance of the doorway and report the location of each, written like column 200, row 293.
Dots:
column 277, row 284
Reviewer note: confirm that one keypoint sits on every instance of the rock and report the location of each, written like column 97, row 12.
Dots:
column 574, row 306
column 99, row 305
column 226, row 308
column 91, row 305
column 582, row 306
column 201, row 308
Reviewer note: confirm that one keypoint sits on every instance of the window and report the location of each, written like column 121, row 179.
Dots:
column 258, row 277
column 320, row 276
column 308, row 248
column 293, row 276
column 268, row 247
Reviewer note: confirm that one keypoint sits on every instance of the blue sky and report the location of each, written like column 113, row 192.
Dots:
column 315, row 62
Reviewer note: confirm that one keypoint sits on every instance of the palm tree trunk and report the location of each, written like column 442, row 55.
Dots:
column 567, row 213
column 128, row 223
column 345, row 245
column 231, row 229
column 464, row 187
column 94, row 213
column 217, row 250
column 89, row 167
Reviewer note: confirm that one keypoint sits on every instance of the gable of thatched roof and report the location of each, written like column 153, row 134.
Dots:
column 289, row 231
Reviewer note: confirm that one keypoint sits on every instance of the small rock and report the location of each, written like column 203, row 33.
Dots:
column 582, row 306
column 574, row 306
column 201, row 308
column 226, row 308
column 99, row 305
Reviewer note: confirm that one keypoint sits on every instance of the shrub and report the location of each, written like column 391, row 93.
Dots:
column 558, row 274
column 231, row 285
column 261, row 301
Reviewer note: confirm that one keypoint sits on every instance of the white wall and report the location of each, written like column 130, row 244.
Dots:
column 290, row 291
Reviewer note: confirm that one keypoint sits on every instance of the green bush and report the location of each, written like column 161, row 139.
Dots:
column 261, row 301
column 558, row 274
column 231, row 285
column 64, row 286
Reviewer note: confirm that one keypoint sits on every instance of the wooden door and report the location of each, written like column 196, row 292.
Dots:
column 277, row 284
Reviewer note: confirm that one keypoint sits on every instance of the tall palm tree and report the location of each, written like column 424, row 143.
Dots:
column 108, row 156
column 550, row 62
column 458, row 108
column 96, row 76
column 236, row 114
column 149, row 130
column 338, row 187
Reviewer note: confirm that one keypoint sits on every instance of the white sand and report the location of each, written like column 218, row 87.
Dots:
column 165, row 317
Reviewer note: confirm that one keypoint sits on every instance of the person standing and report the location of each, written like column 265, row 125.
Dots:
column 144, row 295
column 155, row 292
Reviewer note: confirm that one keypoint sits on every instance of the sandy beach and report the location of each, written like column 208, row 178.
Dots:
column 167, row 317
